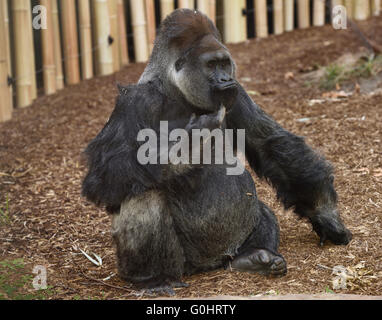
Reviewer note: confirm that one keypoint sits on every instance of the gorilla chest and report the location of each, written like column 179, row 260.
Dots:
column 222, row 211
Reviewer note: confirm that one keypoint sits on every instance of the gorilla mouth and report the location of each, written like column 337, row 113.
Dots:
column 226, row 86
column 229, row 85
column 225, row 94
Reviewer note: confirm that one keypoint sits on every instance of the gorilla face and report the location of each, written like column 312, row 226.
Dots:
column 206, row 76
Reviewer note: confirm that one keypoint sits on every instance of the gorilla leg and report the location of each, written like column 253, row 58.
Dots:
column 148, row 251
column 259, row 253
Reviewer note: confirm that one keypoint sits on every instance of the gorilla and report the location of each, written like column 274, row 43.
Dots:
column 170, row 220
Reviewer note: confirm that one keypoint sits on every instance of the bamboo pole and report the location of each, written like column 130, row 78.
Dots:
column 23, row 70
column 319, row 13
column 243, row 20
column 47, row 44
column 278, row 16
column 367, row 8
column 349, row 4
column 289, row 15
column 57, row 47
column 166, row 7
column 361, row 9
column 69, row 26
column 7, row 43
column 213, row 11
column 188, row 4
column 5, row 94
column 123, row 47
column 261, row 18
column 208, row 7
column 337, row 3
column 139, row 30
column 303, row 14
column 204, row 6
column 113, row 16
column 234, row 21
column 151, row 28
column 102, row 31
column 32, row 60
column 376, row 7
column 85, row 39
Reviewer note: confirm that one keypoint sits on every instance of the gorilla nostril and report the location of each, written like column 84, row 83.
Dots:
column 223, row 80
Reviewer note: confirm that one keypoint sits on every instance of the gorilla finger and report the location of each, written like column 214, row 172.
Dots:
column 221, row 114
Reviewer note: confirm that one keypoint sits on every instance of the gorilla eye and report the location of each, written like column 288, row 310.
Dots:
column 179, row 64
column 226, row 62
column 211, row 64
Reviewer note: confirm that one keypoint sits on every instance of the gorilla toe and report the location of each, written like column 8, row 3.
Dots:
column 260, row 261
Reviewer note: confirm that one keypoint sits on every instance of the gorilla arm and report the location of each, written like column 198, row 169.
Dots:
column 303, row 179
column 114, row 171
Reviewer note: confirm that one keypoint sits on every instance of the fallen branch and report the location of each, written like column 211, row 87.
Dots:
column 371, row 45
column 101, row 282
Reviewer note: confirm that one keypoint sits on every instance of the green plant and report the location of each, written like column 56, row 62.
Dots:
column 327, row 290
column 367, row 67
column 333, row 75
column 337, row 74
column 15, row 282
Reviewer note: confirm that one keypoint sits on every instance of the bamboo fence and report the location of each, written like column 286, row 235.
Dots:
column 111, row 33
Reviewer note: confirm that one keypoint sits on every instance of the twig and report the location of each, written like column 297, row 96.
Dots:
column 369, row 44
column 324, row 267
column 66, row 288
column 100, row 281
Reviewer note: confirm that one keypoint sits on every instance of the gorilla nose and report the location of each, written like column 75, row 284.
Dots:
column 225, row 79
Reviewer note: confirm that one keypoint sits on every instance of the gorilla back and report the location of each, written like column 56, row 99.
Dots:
column 174, row 219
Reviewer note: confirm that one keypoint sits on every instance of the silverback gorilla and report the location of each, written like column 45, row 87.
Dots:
column 170, row 220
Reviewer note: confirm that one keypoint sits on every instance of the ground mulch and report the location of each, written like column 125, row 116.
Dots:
column 41, row 169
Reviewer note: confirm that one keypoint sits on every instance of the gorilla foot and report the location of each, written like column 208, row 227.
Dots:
column 260, row 261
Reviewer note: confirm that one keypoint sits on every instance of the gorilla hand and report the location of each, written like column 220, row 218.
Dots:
column 207, row 121
column 329, row 226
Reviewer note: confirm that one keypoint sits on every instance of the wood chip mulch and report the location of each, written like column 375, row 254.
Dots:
column 41, row 169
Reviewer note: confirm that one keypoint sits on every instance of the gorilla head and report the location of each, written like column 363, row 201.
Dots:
column 189, row 57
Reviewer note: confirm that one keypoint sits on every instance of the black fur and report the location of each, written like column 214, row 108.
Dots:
column 172, row 220
column 302, row 178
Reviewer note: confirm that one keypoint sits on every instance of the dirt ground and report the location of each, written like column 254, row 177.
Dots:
column 41, row 169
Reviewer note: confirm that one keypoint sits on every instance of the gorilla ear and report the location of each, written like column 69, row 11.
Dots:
column 179, row 64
